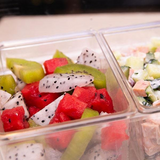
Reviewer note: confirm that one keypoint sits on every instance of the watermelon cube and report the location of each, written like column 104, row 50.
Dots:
column 71, row 106
column 113, row 136
column 51, row 64
column 14, row 119
column 33, row 97
column 85, row 94
column 60, row 140
column 102, row 102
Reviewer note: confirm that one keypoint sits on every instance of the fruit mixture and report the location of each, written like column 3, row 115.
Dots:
column 58, row 91
column 141, row 66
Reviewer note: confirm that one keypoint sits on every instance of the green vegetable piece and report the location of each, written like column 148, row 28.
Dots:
column 135, row 62
column 153, row 70
column 125, row 70
column 149, row 56
column 27, row 71
column 80, row 140
column 150, row 94
column 59, row 54
column 140, row 75
column 7, row 83
column 144, row 101
column 99, row 77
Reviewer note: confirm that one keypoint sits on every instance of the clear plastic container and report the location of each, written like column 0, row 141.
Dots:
column 71, row 45
column 127, row 38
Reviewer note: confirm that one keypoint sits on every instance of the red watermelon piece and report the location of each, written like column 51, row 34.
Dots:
column 85, row 94
column 51, row 64
column 60, row 140
column 71, row 106
column 112, row 136
column 59, row 117
column 14, row 119
column 33, row 110
column 102, row 102
column 33, row 97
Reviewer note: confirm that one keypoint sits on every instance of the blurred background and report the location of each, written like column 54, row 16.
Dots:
column 59, row 7
column 26, row 19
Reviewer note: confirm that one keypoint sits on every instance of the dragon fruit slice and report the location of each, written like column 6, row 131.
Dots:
column 14, row 101
column 89, row 58
column 26, row 151
column 52, row 154
column 20, row 85
column 97, row 153
column 44, row 116
column 4, row 97
column 63, row 82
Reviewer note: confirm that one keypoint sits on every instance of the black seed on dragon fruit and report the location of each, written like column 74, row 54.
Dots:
column 15, row 101
column 44, row 116
column 26, row 151
column 55, row 83
column 52, row 154
column 89, row 58
column 96, row 153
column 20, row 85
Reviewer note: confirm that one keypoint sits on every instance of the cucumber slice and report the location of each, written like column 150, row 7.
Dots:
column 151, row 61
column 144, row 101
column 150, row 94
column 125, row 70
column 135, row 62
column 99, row 77
column 139, row 75
column 155, row 83
column 149, row 56
column 153, row 70
column 80, row 140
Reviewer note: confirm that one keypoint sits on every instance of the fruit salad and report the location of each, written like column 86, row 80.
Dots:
column 141, row 66
column 59, row 90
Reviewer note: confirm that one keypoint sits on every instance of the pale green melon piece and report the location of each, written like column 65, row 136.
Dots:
column 99, row 77
column 7, row 83
column 81, row 139
column 59, row 54
column 27, row 71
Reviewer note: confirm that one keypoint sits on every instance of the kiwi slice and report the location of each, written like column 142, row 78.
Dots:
column 27, row 71
column 81, row 139
column 59, row 54
column 99, row 77
column 7, row 83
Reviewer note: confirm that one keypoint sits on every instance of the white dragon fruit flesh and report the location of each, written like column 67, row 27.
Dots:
column 55, row 83
column 52, row 154
column 97, row 153
column 4, row 97
column 44, row 116
column 15, row 101
column 26, row 151
column 20, row 85
column 89, row 58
